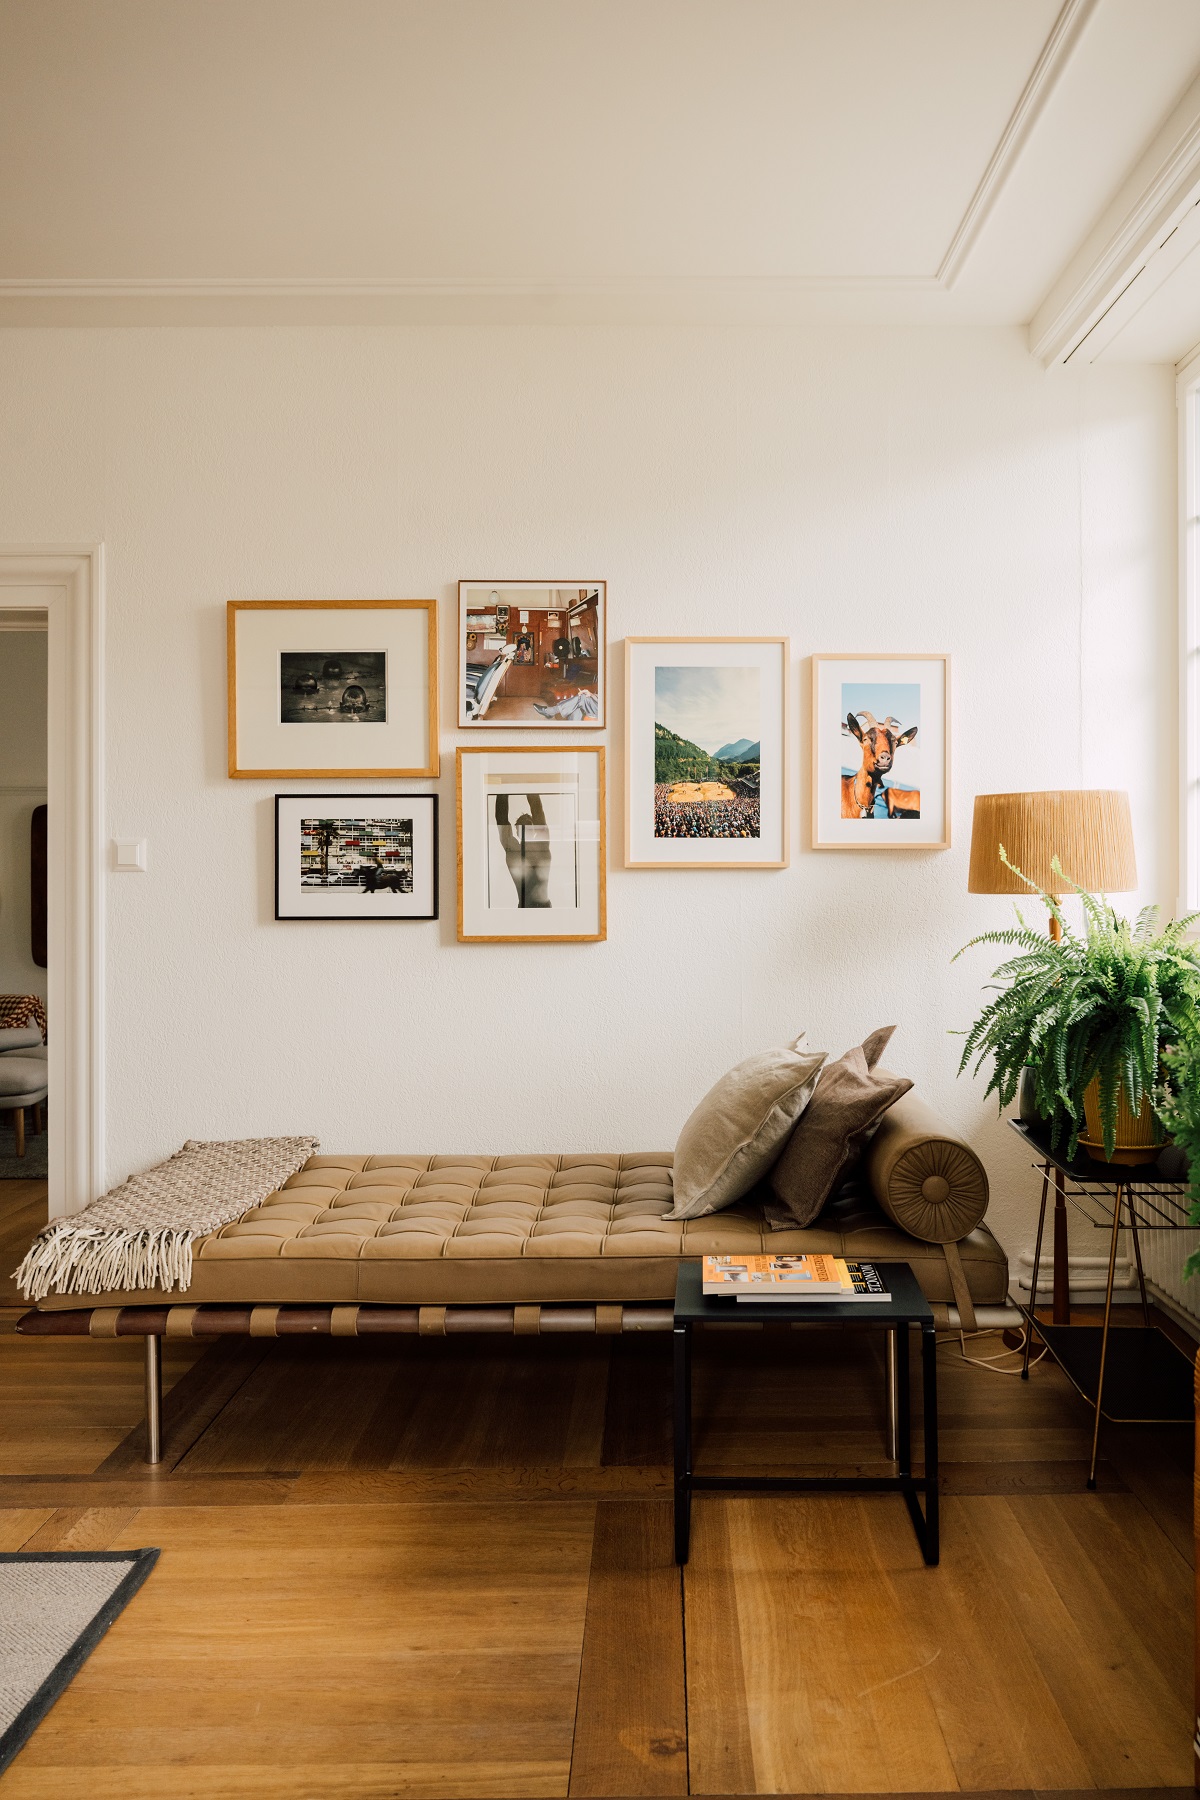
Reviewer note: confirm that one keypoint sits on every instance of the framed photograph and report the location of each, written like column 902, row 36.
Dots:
column 881, row 752
column 332, row 687
column 356, row 856
column 531, row 846
column 531, row 654
column 706, row 753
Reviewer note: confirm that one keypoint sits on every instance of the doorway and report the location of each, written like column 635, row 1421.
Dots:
column 24, row 676
column 51, row 756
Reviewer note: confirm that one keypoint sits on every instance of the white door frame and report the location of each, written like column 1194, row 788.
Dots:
column 68, row 580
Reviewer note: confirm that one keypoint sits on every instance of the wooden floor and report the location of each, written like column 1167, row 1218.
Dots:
column 443, row 1568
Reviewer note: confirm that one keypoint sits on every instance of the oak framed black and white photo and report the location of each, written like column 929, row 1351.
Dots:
column 881, row 752
column 706, row 776
column 327, row 688
column 356, row 856
column 531, row 655
column 531, row 838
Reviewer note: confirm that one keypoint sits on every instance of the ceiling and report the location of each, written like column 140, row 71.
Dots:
column 673, row 159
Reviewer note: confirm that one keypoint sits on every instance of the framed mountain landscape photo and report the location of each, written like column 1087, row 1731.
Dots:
column 881, row 752
column 706, row 753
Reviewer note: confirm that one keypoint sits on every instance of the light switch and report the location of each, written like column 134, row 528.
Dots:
column 129, row 855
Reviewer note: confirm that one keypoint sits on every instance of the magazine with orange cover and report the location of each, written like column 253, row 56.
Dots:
column 799, row 1274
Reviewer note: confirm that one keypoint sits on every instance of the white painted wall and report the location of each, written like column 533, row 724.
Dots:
column 22, row 787
column 857, row 488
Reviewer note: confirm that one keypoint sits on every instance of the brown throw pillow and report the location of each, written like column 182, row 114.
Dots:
column 851, row 1095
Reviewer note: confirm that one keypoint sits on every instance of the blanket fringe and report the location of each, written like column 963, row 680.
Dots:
column 67, row 1258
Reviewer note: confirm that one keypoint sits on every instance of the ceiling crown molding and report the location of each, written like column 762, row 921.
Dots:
column 1147, row 210
column 1055, row 54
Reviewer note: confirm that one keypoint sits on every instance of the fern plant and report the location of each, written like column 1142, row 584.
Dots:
column 1100, row 1006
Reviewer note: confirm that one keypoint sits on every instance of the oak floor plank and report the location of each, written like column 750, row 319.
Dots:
column 341, row 1779
column 82, row 1528
column 720, row 1756
column 1121, row 1579
column 1129, row 1724
column 631, row 1718
column 828, row 1654
column 19, row 1523
column 1000, row 1722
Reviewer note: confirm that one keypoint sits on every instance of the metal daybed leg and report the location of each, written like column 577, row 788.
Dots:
column 153, row 1399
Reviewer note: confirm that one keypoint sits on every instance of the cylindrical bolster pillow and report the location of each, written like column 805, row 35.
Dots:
column 927, row 1181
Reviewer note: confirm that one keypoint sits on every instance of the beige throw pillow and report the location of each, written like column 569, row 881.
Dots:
column 739, row 1127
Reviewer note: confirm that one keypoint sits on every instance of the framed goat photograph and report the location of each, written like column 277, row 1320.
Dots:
column 531, row 655
column 356, row 856
column 531, row 846
column 881, row 752
column 706, row 753
column 321, row 688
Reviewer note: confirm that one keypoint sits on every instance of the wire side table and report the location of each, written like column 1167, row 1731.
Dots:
column 1112, row 1197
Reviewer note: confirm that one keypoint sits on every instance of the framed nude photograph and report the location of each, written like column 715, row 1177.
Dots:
column 356, row 856
column 531, row 846
column 706, row 753
column 322, row 688
column 881, row 752
column 531, row 655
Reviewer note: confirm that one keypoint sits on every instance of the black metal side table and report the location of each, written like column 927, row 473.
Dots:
column 907, row 1307
column 1139, row 1376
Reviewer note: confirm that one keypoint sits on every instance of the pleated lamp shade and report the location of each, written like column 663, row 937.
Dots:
column 1089, row 830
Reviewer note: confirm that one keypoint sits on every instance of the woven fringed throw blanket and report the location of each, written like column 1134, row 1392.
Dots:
column 140, row 1235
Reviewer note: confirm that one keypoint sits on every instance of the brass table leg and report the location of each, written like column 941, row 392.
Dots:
column 1037, row 1263
column 1062, row 1266
column 1108, row 1294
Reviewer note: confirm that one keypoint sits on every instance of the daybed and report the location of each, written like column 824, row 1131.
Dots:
column 355, row 1245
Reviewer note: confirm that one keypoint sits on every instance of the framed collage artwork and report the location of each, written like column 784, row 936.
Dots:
column 706, row 753
column 531, row 655
column 531, row 845
column 321, row 688
column 880, row 752
column 356, row 856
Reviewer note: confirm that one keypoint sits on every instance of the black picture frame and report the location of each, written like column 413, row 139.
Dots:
column 376, row 806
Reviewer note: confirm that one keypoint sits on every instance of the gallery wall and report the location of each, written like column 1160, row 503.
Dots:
column 22, row 787
column 867, row 489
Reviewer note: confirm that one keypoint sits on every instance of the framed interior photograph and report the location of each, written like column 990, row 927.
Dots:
column 531, row 654
column 356, row 856
column 881, row 752
column 323, row 688
column 531, row 846
column 706, row 753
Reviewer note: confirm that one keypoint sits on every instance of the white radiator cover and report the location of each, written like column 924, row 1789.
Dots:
column 1163, row 1256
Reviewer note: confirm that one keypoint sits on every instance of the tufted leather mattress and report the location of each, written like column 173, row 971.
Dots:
column 510, row 1230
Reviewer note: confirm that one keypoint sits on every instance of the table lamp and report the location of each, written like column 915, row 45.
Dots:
column 1090, row 831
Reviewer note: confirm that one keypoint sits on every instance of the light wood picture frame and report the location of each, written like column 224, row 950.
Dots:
column 531, row 844
column 532, row 655
column 707, row 752
column 881, row 737
column 332, row 688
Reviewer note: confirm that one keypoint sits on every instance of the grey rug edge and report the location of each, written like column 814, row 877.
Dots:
column 68, row 1666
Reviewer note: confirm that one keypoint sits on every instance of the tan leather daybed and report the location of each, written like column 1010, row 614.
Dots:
column 483, row 1235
